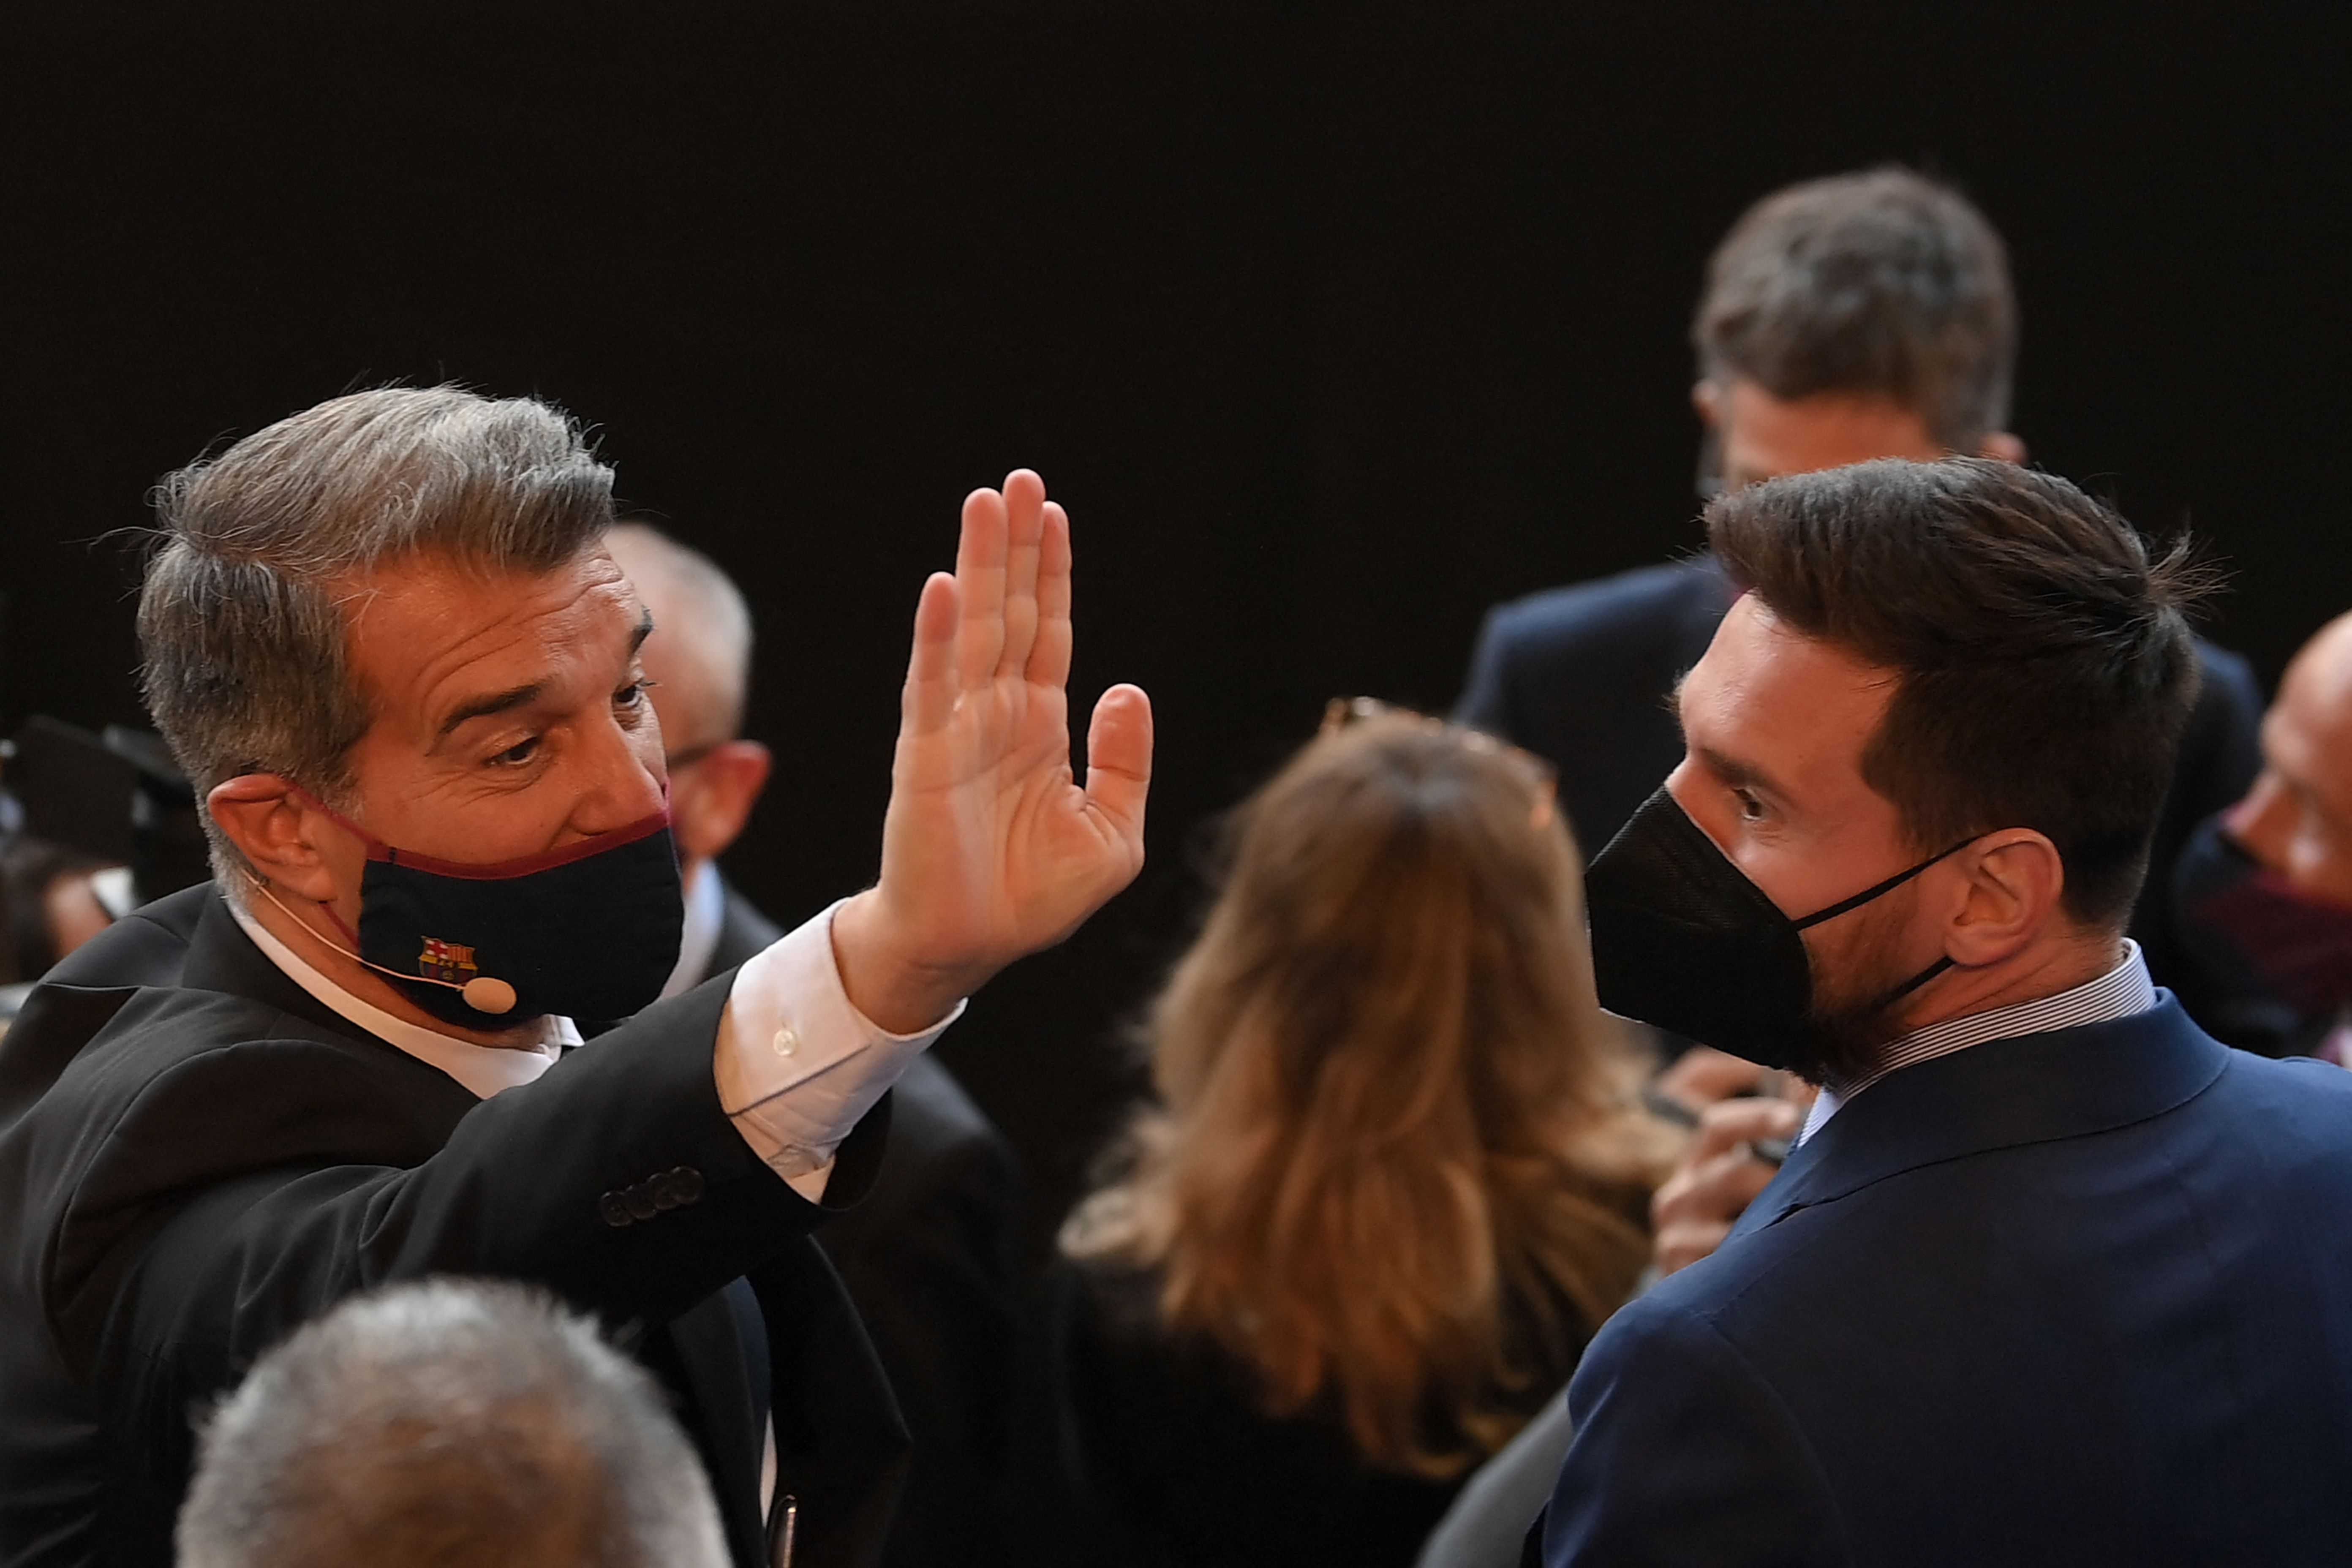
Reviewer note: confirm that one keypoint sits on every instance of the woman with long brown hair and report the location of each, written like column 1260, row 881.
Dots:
column 1394, row 1180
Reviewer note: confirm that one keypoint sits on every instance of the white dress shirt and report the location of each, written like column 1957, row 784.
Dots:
column 796, row 1064
column 2122, row 991
column 706, row 914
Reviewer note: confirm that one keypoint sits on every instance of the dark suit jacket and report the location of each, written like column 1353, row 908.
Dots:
column 197, row 1157
column 2076, row 1299
column 1582, row 677
column 927, row 1256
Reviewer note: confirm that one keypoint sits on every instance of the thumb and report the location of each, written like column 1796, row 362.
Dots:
column 1118, row 758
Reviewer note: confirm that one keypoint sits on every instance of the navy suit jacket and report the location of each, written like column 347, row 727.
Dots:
column 1583, row 676
column 2080, row 1298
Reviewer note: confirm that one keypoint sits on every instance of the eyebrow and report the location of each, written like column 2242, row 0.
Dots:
column 1737, row 773
column 484, row 707
column 1731, row 769
column 507, row 701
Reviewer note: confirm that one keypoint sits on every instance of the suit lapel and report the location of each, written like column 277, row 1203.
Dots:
column 222, row 958
column 841, row 1444
column 703, row 1354
column 1999, row 1095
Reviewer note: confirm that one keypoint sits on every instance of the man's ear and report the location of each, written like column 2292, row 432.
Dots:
column 1707, row 399
column 2002, row 445
column 2015, row 878
column 726, row 783
column 272, row 828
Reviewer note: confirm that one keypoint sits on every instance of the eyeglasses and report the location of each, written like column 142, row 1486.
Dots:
column 1342, row 712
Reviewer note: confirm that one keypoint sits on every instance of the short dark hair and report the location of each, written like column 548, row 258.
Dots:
column 2045, row 659
column 450, row 1423
column 1883, row 284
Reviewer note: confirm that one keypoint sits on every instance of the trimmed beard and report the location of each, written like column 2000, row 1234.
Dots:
column 1847, row 1030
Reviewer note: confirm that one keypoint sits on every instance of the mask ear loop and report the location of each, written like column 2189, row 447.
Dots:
column 485, row 993
column 1889, row 886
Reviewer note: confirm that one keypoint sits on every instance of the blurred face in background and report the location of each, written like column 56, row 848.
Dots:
column 1754, row 435
column 697, row 680
column 2297, row 818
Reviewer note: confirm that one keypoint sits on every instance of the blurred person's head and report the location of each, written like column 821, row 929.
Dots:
column 385, row 642
column 448, row 1424
column 1392, row 1167
column 1860, row 316
column 2263, row 893
column 50, row 903
column 700, row 660
column 1941, row 721
column 2296, row 820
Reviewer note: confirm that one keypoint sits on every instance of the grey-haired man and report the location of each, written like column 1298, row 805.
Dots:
column 385, row 640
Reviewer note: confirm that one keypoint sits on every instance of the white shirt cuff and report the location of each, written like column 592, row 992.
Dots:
column 797, row 1064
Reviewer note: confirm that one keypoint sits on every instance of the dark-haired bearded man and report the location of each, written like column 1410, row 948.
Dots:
column 2054, row 1277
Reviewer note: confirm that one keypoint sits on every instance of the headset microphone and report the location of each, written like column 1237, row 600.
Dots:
column 485, row 993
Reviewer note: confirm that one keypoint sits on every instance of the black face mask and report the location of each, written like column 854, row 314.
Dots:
column 2255, row 933
column 1684, row 940
column 590, row 930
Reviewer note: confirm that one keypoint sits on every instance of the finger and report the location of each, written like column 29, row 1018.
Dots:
column 1727, row 1123
column 929, row 699
column 1024, row 512
column 1049, row 660
column 1684, row 1244
column 1118, row 758
column 1717, row 1189
column 1729, row 1183
column 1703, row 1075
column 980, row 579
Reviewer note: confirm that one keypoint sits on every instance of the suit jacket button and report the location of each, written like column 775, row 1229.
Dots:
column 664, row 1191
column 615, row 1212
column 640, row 1202
column 687, row 1182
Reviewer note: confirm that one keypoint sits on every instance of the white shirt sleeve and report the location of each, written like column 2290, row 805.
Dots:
column 797, row 1064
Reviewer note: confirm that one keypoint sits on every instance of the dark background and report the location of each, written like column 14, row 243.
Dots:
column 1331, row 327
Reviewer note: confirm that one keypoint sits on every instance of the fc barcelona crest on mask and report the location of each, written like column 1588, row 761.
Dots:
column 451, row 963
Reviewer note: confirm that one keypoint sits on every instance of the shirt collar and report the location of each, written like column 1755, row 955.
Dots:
column 2121, row 992
column 482, row 1069
column 706, row 912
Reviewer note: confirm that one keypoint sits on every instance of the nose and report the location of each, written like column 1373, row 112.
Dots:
column 621, row 778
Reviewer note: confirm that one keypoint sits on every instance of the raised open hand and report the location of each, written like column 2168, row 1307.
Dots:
column 991, row 849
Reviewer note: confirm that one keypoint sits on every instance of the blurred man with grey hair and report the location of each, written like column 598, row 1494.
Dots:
column 928, row 1254
column 387, row 642
column 449, row 1424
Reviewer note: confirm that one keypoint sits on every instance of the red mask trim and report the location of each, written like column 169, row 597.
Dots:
column 500, row 870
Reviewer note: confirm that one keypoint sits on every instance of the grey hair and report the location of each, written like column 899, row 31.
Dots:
column 1885, row 283
column 242, row 638
column 700, row 617
column 451, row 1423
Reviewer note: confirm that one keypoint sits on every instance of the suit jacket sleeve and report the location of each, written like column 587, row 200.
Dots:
column 201, row 1230
column 1682, row 1455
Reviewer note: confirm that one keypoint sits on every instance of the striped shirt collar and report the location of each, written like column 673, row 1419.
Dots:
column 2120, row 992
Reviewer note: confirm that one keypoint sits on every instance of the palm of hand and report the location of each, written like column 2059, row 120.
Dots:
column 991, row 849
